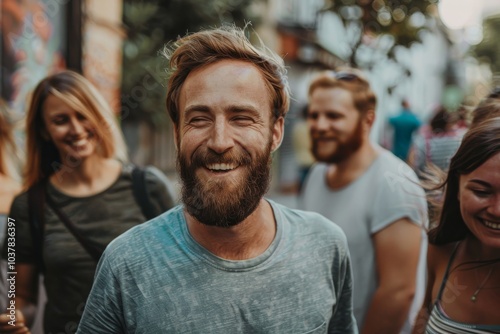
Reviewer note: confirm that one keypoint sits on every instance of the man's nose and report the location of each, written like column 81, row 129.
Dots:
column 221, row 137
column 319, row 123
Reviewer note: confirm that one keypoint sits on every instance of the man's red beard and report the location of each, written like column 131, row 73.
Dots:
column 343, row 150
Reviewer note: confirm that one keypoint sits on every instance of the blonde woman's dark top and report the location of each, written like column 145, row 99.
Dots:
column 69, row 268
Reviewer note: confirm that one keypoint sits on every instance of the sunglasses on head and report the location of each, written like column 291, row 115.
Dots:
column 495, row 93
column 345, row 76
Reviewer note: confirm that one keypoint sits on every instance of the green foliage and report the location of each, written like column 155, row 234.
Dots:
column 489, row 48
column 401, row 19
column 149, row 25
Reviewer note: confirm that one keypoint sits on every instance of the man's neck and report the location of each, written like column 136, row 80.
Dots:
column 341, row 174
column 246, row 240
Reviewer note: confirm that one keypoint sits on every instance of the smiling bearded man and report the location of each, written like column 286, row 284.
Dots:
column 227, row 260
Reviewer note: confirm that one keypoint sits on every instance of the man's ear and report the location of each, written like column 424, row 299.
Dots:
column 176, row 136
column 369, row 119
column 278, row 133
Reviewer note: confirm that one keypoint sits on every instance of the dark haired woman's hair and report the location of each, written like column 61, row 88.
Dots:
column 479, row 144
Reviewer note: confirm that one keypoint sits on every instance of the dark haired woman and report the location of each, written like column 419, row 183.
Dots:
column 463, row 288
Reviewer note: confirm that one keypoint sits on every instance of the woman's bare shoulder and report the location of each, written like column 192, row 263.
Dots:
column 438, row 256
column 9, row 189
column 9, row 185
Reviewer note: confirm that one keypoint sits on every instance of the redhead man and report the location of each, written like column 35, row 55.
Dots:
column 373, row 196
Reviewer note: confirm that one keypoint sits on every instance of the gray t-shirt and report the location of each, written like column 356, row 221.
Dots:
column 156, row 278
column 385, row 193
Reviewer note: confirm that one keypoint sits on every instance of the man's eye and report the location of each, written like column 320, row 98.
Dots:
column 243, row 120
column 333, row 116
column 198, row 120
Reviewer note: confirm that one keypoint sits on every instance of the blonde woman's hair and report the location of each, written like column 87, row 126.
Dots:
column 43, row 158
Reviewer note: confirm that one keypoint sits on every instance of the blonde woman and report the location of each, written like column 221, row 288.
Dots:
column 76, row 168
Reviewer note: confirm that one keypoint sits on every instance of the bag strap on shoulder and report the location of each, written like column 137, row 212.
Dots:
column 36, row 200
column 36, row 206
column 94, row 250
column 139, row 188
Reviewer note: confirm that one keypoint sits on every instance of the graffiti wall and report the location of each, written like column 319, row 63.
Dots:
column 32, row 39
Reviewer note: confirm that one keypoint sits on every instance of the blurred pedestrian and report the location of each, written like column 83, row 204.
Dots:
column 486, row 110
column 438, row 142
column 489, row 107
column 463, row 118
column 228, row 260
column 373, row 196
column 79, row 195
column 9, row 187
column 463, row 294
column 404, row 125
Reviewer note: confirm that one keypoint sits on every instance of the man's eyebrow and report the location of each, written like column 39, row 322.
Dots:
column 237, row 108
column 196, row 107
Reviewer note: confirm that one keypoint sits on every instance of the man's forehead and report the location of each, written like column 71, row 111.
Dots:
column 237, row 69
column 230, row 82
column 331, row 95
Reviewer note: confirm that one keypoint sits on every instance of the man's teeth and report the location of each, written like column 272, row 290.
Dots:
column 222, row 167
column 492, row 225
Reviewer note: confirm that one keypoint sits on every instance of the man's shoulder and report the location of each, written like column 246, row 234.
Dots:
column 392, row 177
column 318, row 167
column 309, row 223
column 388, row 162
column 316, row 173
column 143, row 235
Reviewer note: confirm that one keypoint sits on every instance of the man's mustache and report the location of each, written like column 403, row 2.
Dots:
column 206, row 157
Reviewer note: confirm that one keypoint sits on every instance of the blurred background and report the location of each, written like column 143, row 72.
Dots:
column 428, row 52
